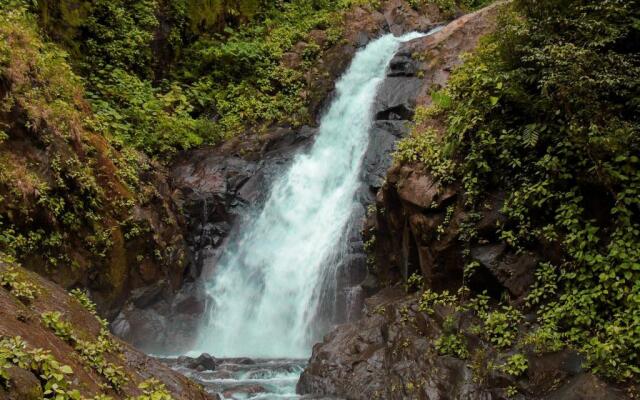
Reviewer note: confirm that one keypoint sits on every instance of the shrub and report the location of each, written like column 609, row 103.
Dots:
column 12, row 280
column 56, row 385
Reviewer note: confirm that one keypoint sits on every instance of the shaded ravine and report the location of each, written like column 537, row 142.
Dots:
column 274, row 288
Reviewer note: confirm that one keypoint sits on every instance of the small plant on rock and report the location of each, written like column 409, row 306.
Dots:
column 516, row 365
column 501, row 327
column 430, row 298
column 23, row 290
column 84, row 299
column 153, row 389
column 452, row 345
column 53, row 374
column 62, row 329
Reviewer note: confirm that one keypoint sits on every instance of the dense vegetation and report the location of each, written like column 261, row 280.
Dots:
column 167, row 75
column 548, row 111
column 164, row 76
column 70, row 203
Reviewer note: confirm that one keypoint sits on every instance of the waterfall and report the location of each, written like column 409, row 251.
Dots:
column 269, row 283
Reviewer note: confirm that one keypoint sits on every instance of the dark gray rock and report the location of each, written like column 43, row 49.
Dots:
column 402, row 65
column 396, row 98
column 383, row 138
column 215, row 189
column 203, row 362
column 516, row 272
column 144, row 296
column 587, row 387
column 362, row 40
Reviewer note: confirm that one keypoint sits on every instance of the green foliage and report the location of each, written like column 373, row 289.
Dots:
column 43, row 205
column 501, row 326
column 153, row 390
column 452, row 345
column 91, row 353
column 516, row 365
column 375, row 4
column 54, row 376
column 429, row 299
column 415, row 282
column 546, row 285
column 213, row 69
column 19, row 287
column 57, row 378
column 62, row 329
column 548, row 110
column 441, row 100
column 447, row 220
column 425, row 147
column 242, row 77
column 452, row 342
column 545, row 338
column 118, row 35
column 213, row 14
column 511, row 391
column 135, row 113
column 450, row 6
column 83, row 298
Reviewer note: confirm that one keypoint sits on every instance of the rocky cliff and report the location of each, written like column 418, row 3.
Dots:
column 408, row 345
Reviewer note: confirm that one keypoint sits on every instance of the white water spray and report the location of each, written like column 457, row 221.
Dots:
column 269, row 282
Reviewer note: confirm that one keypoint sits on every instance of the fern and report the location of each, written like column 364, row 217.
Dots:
column 530, row 135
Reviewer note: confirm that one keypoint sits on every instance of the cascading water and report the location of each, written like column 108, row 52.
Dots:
column 274, row 273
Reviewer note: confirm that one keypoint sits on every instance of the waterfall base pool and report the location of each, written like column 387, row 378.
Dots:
column 249, row 379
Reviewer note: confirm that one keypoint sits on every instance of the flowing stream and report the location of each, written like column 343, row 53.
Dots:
column 274, row 275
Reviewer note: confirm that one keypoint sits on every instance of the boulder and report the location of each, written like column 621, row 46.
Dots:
column 244, row 390
column 22, row 385
column 422, row 189
column 396, row 99
column 547, row 369
column 203, row 362
column 382, row 142
column 516, row 272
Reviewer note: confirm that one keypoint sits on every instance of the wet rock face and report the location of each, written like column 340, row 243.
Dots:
column 389, row 355
column 412, row 204
column 203, row 362
column 364, row 24
column 376, row 358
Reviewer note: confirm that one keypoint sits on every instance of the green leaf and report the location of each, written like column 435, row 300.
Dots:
column 65, row 369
